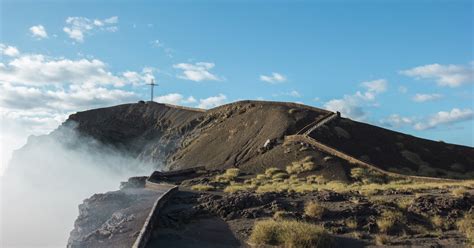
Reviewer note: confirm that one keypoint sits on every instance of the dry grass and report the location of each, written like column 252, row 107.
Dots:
column 438, row 222
column 367, row 176
column 229, row 176
column 202, row 187
column 466, row 226
column 314, row 210
column 306, row 164
column 459, row 192
column 232, row 173
column 391, row 221
column 404, row 202
column 280, row 175
column 382, row 239
column 271, row 171
column 289, row 233
column 233, row 188
column 351, row 223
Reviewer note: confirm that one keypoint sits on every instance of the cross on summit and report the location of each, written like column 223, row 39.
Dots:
column 152, row 86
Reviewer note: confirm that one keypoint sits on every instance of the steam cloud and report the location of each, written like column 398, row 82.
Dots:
column 47, row 180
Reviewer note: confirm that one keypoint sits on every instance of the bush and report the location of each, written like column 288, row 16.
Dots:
column 466, row 226
column 459, row 192
column 232, row 173
column 390, row 221
column 317, row 179
column 202, row 187
column 382, row 239
column 228, row 176
column 437, row 222
column 238, row 187
column 367, row 176
column 314, row 210
column 280, row 215
column 271, row 171
column 351, row 223
column 306, row 164
column 290, row 233
column 280, row 175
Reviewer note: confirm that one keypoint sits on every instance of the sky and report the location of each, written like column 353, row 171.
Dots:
column 403, row 65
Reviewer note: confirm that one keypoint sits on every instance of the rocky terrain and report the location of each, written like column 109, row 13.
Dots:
column 266, row 161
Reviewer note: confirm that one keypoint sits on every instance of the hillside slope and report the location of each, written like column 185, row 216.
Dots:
column 250, row 135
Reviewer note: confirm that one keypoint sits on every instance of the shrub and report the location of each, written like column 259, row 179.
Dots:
column 382, row 239
column 367, row 176
column 202, row 187
column 437, row 222
column 317, row 179
column 403, row 203
column 351, row 223
column 228, row 176
column 261, row 177
column 290, row 233
column 280, row 215
column 314, row 210
column 280, row 175
column 232, row 173
column 270, row 171
column 459, row 192
column 238, row 187
column 390, row 221
column 306, row 164
column 466, row 226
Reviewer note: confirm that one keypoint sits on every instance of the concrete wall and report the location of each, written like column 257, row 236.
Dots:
column 152, row 219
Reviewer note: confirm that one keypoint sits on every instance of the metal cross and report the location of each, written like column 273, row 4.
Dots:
column 152, row 85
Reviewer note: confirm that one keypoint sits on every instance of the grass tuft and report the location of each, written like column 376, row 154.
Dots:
column 202, row 187
column 290, row 233
column 314, row 210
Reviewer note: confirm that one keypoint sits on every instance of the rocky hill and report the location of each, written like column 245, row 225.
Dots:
column 250, row 135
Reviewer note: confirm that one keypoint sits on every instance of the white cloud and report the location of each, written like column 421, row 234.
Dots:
column 445, row 118
column 10, row 51
column 39, row 70
column 136, row 78
column 445, row 75
column 78, row 27
column 274, row 78
column 353, row 105
column 212, row 101
column 426, row 97
column 38, row 31
column 397, row 121
column 60, row 100
column 197, row 72
column 172, row 98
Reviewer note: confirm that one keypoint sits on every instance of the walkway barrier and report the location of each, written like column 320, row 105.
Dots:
column 152, row 219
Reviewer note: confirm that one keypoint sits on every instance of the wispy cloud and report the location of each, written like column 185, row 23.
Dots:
column 212, row 101
column 274, row 78
column 444, row 75
column 441, row 118
column 176, row 99
column 78, row 27
column 9, row 51
column 353, row 105
column 40, row 70
column 197, row 72
column 39, row 32
column 445, row 118
column 426, row 97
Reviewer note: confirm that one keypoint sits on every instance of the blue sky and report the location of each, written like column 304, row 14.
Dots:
column 404, row 65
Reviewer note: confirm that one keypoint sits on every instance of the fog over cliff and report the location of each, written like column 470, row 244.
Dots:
column 49, row 177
